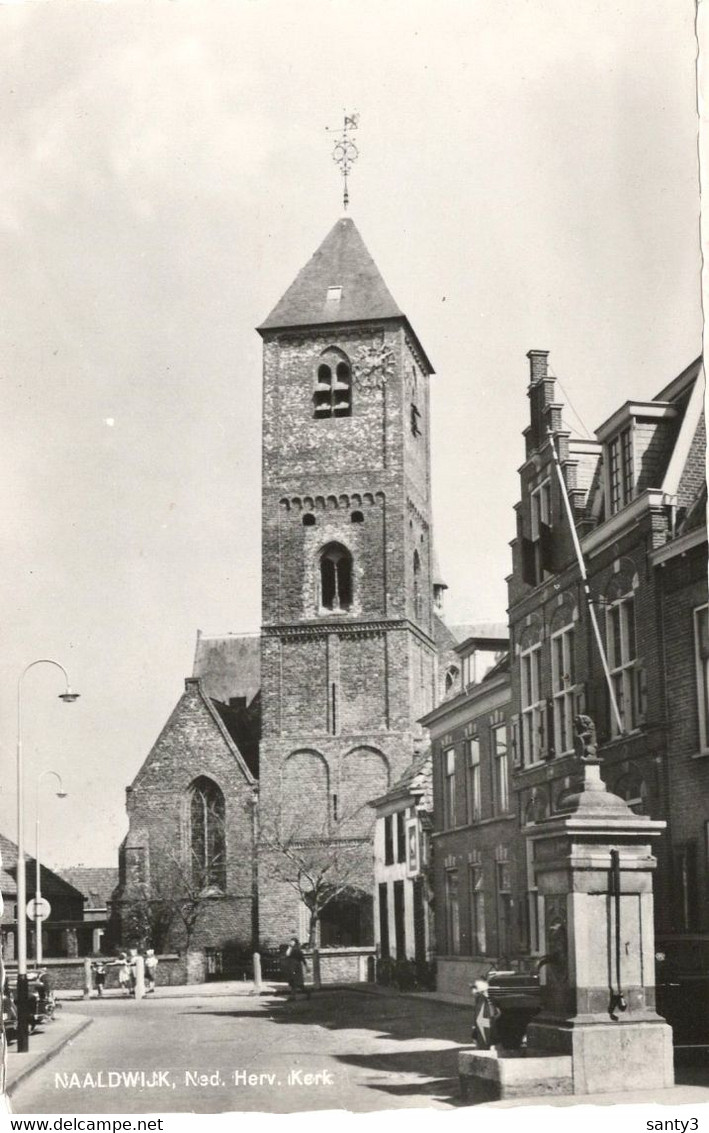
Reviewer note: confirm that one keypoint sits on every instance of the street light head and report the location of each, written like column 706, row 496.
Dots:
column 69, row 697
column 62, row 794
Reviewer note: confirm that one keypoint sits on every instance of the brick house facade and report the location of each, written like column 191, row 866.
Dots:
column 476, row 858
column 637, row 495
column 632, row 492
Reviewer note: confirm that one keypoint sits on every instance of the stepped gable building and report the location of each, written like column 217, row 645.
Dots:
column 348, row 660
column 638, row 500
column 638, row 496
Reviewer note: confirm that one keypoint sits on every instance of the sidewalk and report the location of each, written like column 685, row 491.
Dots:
column 215, row 990
column 47, row 1041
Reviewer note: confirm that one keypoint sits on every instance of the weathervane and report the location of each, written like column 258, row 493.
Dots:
column 345, row 152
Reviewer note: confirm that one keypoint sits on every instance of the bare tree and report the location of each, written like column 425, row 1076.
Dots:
column 170, row 905
column 320, row 865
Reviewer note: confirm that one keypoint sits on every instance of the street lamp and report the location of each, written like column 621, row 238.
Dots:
column 22, row 1014
column 61, row 794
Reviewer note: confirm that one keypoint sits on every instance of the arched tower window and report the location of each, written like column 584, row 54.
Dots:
column 207, row 839
column 333, row 388
column 335, row 577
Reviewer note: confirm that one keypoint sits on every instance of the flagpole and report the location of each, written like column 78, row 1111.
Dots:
column 584, row 579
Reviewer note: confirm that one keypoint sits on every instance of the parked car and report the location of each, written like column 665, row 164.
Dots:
column 40, row 998
column 9, row 1014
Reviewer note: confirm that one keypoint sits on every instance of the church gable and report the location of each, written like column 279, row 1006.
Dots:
column 195, row 740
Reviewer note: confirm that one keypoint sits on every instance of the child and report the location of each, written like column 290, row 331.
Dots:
column 151, row 963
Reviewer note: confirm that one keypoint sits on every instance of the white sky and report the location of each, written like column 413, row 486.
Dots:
column 528, row 178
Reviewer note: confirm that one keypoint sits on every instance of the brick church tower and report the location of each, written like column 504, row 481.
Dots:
column 348, row 652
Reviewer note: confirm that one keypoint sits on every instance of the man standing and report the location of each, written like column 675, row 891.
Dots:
column 295, row 964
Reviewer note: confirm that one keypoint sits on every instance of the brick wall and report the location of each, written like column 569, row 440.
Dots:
column 683, row 588
column 68, row 975
column 694, row 475
column 192, row 744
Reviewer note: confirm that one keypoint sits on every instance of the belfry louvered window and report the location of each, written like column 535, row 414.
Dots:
column 333, row 388
column 335, row 578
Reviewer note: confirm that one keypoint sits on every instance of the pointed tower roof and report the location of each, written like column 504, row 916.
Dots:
column 341, row 261
column 339, row 284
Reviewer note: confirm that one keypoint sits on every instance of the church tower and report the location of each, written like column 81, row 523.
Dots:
column 348, row 656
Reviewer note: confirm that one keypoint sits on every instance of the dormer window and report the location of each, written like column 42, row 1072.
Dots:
column 333, row 388
column 620, row 470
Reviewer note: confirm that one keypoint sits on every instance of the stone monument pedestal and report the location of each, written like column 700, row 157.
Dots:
column 593, row 868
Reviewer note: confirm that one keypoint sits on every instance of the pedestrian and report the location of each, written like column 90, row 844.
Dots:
column 132, row 970
column 295, row 964
column 98, row 968
column 151, row 963
column 123, row 973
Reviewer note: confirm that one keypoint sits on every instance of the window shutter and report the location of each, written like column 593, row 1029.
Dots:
column 516, row 741
column 548, row 749
column 529, row 572
column 641, row 693
column 546, row 547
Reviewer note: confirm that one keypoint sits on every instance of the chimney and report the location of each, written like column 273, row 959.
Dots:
column 541, row 392
column 537, row 365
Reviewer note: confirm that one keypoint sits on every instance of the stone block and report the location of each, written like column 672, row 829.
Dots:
column 488, row 1075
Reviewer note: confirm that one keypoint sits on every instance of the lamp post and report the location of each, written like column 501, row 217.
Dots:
column 61, row 794
column 22, row 1020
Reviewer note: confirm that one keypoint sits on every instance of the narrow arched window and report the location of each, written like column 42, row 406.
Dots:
column 335, row 578
column 332, row 396
column 417, row 585
column 207, row 835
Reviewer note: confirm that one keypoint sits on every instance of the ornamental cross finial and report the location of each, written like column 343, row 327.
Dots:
column 345, row 152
